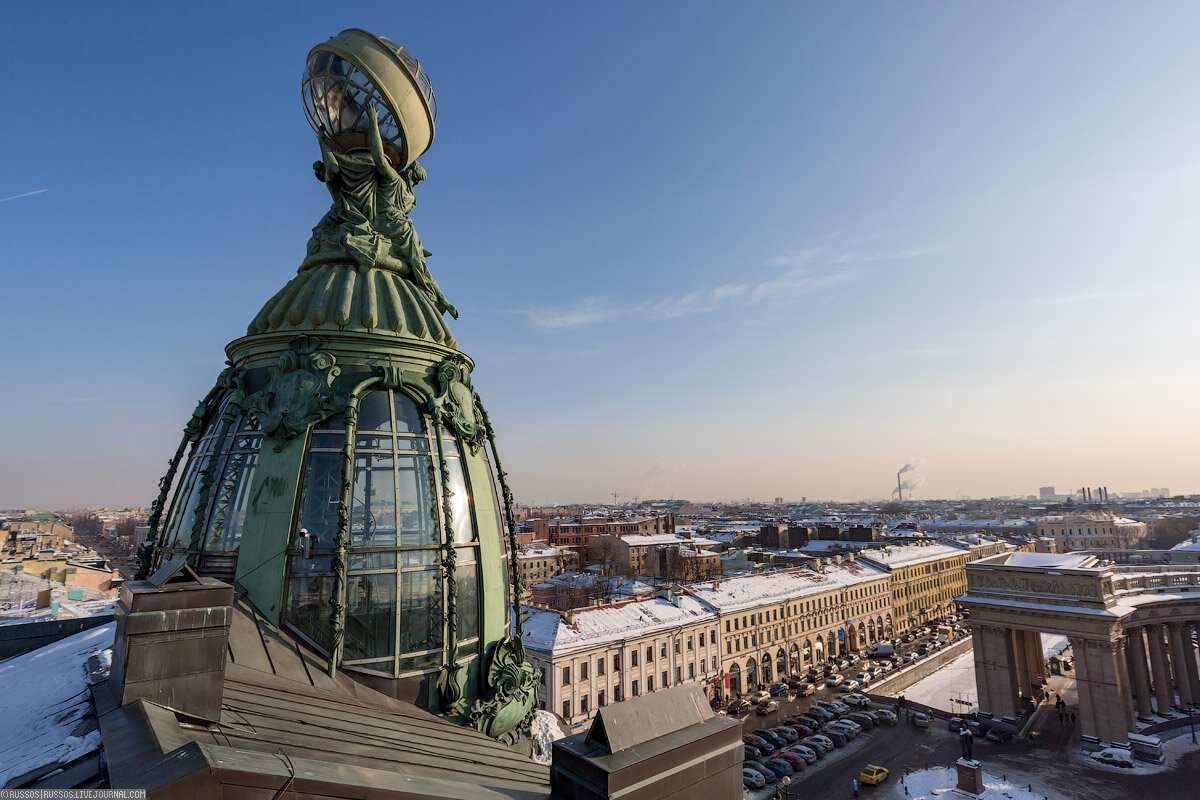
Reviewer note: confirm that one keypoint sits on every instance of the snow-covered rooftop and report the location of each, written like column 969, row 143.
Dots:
column 45, row 699
column 548, row 631
column 905, row 554
column 735, row 594
column 1051, row 560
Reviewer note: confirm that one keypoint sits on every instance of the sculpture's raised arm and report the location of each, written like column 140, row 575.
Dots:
column 376, row 141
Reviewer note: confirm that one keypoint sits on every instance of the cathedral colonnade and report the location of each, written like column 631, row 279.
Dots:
column 1135, row 671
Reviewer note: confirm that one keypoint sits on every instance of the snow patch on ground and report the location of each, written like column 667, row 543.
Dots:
column 544, row 731
column 45, row 697
column 1053, row 644
column 950, row 688
column 940, row 782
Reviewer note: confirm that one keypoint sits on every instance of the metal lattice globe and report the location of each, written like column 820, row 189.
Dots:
column 355, row 69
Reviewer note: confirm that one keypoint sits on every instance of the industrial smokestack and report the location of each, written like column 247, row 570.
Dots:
column 899, row 486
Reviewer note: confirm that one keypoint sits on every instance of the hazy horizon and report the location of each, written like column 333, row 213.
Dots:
column 699, row 251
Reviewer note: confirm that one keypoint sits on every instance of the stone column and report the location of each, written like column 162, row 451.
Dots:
column 1006, row 698
column 1020, row 661
column 1160, row 668
column 982, row 673
column 1033, row 651
column 1135, row 650
column 1084, row 677
column 1110, row 691
column 1190, row 662
column 1180, row 654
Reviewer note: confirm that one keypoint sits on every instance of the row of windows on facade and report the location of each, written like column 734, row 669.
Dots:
column 634, row 690
column 764, row 617
column 633, row 657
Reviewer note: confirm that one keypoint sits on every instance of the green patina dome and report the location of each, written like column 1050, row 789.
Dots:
column 343, row 472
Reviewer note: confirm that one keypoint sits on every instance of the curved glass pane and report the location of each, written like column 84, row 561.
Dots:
column 319, row 497
column 370, row 616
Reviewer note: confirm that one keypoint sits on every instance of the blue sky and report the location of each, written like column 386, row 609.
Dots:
column 701, row 250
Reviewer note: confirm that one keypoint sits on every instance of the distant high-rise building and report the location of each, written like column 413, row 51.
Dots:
column 1046, row 493
column 778, row 501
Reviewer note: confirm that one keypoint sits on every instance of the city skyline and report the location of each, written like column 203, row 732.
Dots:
column 704, row 254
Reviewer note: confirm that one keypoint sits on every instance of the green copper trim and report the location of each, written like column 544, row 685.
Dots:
column 191, row 432
column 450, row 689
column 508, row 713
column 337, row 600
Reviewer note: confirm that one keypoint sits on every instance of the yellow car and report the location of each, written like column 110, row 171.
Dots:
column 873, row 774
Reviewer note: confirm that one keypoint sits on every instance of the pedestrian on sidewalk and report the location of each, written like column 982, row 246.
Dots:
column 856, row 787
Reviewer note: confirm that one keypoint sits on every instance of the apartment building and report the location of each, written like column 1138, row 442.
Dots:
column 596, row 656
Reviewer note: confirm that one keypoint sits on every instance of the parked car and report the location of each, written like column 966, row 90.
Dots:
column 738, row 707
column 809, row 754
column 790, row 736
column 1117, row 756
column 759, row 697
column 873, row 774
column 999, row 735
column 782, row 768
column 803, row 727
column 794, row 761
column 860, row 700
column 851, row 724
column 806, row 690
column 834, row 680
column 768, row 707
column 795, row 683
column 863, row 678
column 836, row 735
column 768, row 775
column 956, row 724
column 752, row 778
column 850, row 686
column 862, row 718
column 779, row 688
column 853, row 659
column 921, row 719
column 830, row 669
column 833, row 706
column 761, row 744
column 883, row 715
column 751, row 753
column 909, row 657
column 818, row 740
column 770, row 736
column 922, row 649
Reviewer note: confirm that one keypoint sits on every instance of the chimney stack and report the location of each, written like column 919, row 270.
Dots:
column 171, row 643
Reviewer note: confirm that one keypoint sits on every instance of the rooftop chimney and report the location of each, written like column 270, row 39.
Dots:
column 172, row 637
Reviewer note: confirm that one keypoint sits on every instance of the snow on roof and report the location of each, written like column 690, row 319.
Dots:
column 1194, row 544
column 549, row 632
column 539, row 552
column 643, row 539
column 905, row 554
column 46, row 697
column 1050, row 560
column 735, row 594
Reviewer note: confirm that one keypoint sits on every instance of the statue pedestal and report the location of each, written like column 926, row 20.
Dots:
column 970, row 777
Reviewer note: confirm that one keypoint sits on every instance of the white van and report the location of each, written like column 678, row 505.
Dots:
column 881, row 650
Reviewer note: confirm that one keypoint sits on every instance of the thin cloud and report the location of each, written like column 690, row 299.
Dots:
column 787, row 286
column 794, row 258
column 26, row 194
column 1090, row 297
column 588, row 311
column 853, row 257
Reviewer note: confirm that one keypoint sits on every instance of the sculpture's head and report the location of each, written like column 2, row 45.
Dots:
column 356, row 69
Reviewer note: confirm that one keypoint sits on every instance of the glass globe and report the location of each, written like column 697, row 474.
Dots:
column 356, row 69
